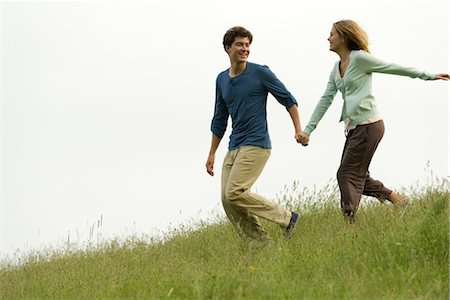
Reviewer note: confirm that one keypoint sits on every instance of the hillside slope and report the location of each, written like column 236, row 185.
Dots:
column 385, row 256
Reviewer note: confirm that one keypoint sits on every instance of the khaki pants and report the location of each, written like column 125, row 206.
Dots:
column 241, row 168
column 353, row 175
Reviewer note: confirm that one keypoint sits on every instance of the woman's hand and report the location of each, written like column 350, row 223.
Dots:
column 442, row 76
column 302, row 138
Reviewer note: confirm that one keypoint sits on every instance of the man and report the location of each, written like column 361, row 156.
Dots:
column 241, row 92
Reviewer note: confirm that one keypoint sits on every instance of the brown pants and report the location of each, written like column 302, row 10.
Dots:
column 353, row 175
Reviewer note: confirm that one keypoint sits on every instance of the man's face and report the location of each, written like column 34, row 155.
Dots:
column 239, row 50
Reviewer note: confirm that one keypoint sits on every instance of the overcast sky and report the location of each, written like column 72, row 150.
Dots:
column 106, row 107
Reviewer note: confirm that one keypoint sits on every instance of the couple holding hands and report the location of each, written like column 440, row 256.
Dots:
column 241, row 92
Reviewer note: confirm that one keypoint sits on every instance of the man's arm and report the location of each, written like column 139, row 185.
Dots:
column 295, row 116
column 215, row 141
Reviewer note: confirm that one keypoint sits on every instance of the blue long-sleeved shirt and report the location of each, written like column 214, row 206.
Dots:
column 244, row 98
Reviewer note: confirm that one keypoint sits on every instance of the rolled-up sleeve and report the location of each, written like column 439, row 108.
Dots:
column 221, row 114
column 278, row 89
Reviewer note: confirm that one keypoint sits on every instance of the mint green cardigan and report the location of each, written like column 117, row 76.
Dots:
column 356, row 88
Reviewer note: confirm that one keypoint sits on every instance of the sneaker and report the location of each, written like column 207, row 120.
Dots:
column 291, row 227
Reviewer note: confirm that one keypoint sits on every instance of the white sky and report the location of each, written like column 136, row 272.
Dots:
column 106, row 107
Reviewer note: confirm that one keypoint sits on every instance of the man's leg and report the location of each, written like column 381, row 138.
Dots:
column 248, row 164
column 236, row 215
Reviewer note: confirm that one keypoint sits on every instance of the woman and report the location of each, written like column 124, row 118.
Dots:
column 352, row 76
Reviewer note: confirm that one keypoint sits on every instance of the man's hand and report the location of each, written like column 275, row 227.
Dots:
column 302, row 138
column 210, row 164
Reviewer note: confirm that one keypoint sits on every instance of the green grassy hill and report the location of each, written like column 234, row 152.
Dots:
column 385, row 256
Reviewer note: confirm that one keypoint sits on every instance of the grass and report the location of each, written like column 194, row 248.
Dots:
column 385, row 256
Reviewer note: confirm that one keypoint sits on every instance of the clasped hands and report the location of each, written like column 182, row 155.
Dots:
column 302, row 138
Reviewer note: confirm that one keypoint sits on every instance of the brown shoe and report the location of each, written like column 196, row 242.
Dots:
column 399, row 201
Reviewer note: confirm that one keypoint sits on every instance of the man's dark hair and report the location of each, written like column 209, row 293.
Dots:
column 232, row 33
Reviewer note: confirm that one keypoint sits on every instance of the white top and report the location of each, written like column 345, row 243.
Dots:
column 350, row 126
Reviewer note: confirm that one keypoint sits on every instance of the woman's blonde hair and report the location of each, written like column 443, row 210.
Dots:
column 354, row 36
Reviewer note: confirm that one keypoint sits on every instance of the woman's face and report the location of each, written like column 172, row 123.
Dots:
column 336, row 41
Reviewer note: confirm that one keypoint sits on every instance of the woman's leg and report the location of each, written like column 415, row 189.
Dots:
column 358, row 151
column 375, row 188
